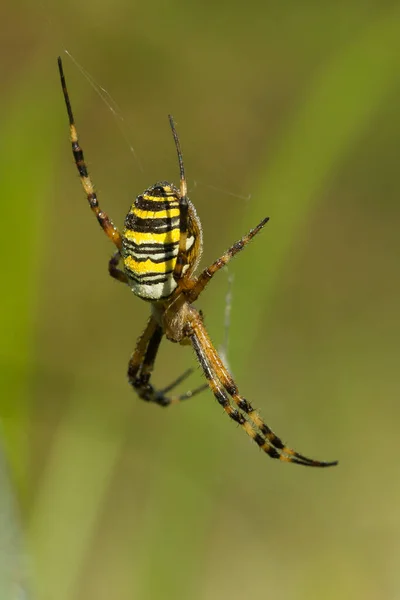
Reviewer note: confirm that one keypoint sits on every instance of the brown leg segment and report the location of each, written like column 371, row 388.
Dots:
column 205, row 277
column 113, row 268
column 105, row 222
column 222, row 384
column 137, row 358
column 181, row 259
column 141, row 367
column 215, row 384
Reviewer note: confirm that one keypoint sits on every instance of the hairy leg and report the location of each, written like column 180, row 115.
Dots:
column 248, row 418
column 141, row 366
column 105, row 222
column 205, row 277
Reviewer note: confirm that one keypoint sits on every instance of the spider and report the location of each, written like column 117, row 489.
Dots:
column 160, row 248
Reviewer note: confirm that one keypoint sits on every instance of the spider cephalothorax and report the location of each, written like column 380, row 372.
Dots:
column 160, row 248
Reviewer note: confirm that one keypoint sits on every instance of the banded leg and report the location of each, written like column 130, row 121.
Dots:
column 113, row 268
column 105, row 222
column 141, row 367
column 181, row 259
column 205, row 277
column 216, row 386
column 137, row 358
column 222, row 384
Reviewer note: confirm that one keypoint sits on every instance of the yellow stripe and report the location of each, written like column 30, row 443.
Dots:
column 148, row 214
column 73, row 134
column 147, row 266
column 87, row 185
column 169, row 191
column 169, row 237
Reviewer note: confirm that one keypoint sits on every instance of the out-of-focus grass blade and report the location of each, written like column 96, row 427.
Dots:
column 26, row 173
column 13, row 561
column 74, row 486
column 336, row 111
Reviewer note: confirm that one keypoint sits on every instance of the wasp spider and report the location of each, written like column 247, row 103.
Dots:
column 160, row 248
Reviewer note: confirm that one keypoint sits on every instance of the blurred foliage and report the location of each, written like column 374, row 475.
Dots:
column 286, row 109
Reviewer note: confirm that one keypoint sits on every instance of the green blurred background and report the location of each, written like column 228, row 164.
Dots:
column 284, row 109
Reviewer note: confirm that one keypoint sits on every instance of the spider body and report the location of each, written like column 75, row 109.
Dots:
column 150, row 242
column 160, row 248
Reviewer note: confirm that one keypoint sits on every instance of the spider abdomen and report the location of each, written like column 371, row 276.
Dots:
column 150, row 242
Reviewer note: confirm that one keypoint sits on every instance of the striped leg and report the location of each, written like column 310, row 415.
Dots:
column 205, row 277
column 105, row 222
column 222, row 384
column 113, row 268
column 181, row 259
column 137, row 358
column 215, row 384
column 141, row 367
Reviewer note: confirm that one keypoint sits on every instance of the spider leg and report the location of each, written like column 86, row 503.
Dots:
column 105, row 222
column 205, row 276
column 179, row 380
column 113, row 268
column 181, row 259
column 222, row 384
column 141, row 367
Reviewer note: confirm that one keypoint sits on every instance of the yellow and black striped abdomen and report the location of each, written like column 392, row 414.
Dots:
column 150, row 241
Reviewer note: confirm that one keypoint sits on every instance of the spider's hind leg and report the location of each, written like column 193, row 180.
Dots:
column 222, row 384
column 141, row 367
column 176, row 382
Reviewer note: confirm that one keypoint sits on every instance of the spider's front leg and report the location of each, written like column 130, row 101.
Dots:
column 205, row 276
column 141, row 366
column 105, row 222
column 181, row 259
